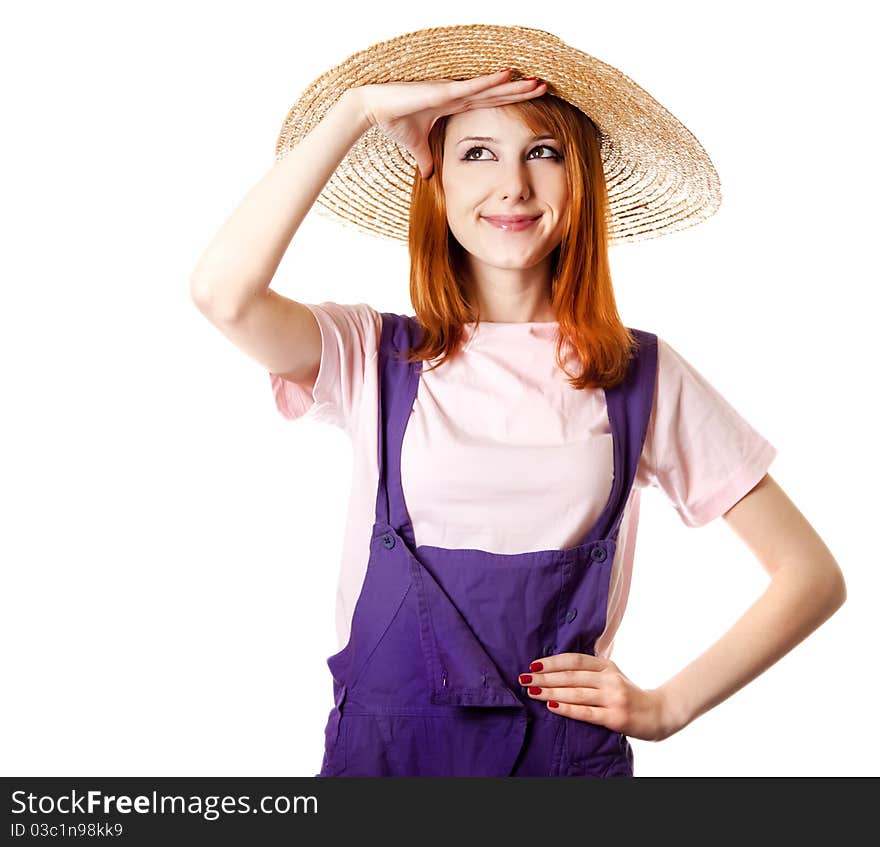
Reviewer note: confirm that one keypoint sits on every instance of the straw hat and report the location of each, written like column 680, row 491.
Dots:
column 659, row 177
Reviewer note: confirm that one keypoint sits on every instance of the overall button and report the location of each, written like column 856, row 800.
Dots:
column 598, row 554
column 388, row 540
column 571, row 615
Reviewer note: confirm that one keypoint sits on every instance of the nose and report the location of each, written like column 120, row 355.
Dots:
column 514, row 182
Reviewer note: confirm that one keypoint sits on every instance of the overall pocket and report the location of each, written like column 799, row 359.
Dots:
column 460, row 671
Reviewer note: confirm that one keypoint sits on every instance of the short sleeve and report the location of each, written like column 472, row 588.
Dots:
column 349, row 339
column 699, row 450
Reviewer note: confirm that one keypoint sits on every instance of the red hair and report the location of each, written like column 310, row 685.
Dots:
column 582, row 295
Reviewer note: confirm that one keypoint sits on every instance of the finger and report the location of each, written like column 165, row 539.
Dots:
column 503, row 100
column 514, row 90
column 478, row 83
column 574, row 696
column 567, row 661
column 563, row 679
column 495, row 76
column 519, row 84
column 422, row 154
column 589, row 714
column 500, row 95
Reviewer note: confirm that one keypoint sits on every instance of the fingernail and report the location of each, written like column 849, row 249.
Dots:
column 553, row 704
column 534, row 690
column 536, row 666
column 525, row 678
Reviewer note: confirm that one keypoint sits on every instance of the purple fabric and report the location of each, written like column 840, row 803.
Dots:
column 428, row 683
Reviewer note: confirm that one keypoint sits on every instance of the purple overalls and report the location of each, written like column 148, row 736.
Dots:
column 428, row 684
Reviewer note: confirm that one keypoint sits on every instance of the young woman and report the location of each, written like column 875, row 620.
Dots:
column 504, row 431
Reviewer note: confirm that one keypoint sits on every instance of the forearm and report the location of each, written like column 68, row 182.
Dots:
column 798, row 600
column 244, row 255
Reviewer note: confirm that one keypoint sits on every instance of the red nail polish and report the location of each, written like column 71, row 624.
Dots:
column 553, row 704
column 534, row 690
column 536, row 666
column 525, row 678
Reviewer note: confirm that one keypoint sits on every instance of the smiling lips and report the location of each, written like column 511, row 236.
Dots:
column 511, row 223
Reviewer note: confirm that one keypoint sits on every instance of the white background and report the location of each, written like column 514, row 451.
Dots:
column 170, row 544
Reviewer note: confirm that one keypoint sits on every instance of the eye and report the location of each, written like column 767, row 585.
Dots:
column 547, row 147
column 467, row 158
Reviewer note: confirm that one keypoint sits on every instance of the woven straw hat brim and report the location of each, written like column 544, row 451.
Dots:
column 659, row 177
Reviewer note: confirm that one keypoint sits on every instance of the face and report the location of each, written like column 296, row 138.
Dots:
column 514, row 174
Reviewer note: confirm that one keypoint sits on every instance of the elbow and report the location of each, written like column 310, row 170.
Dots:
column 839, row 591
column 833, row 588
column 820, row 585
column 200, row 292
column 207, row 302
column 836, row 583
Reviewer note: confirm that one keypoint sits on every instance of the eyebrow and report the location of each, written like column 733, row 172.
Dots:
column 488, row 138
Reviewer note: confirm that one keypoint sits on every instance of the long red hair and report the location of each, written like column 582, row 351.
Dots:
column 582, row 295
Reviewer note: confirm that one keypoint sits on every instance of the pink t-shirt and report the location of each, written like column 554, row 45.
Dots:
column 502, row 454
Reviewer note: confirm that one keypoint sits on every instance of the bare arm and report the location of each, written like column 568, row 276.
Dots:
column 230, row 284
column 806, row 588
column 244, row 255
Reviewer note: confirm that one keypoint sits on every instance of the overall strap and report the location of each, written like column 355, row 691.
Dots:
column 398, row 383
column 629, row 411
